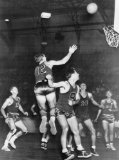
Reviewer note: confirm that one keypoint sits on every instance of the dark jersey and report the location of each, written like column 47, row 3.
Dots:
column 107, row 112
column 62, row 103
column 83, row 106
column 41, row 71
column 14, row 107
column 108, row 106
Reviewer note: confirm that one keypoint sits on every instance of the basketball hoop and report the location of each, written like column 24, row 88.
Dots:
column 112, row 37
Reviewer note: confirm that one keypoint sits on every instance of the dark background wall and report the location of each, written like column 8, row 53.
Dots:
column 20, row 40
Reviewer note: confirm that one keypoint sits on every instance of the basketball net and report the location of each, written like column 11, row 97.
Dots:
column 112, row 32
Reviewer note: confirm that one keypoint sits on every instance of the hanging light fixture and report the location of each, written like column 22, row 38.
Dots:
column 45, row 15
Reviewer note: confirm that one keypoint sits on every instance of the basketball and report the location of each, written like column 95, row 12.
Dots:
column 92, row 8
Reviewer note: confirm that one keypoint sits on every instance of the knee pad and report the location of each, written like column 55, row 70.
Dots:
column 43, row 112
column 52, row 111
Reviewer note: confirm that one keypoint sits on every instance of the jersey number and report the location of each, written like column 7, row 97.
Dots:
column 72, row 96
column 42, row 69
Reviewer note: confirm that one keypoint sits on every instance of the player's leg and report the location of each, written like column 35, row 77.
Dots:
column 111, row 135
column 12, row 131
column 41, row 100
column 106, row 130
column 64, row 125
column 51, row 98
column 74, row 128
column 23, row 130
column 91, row 128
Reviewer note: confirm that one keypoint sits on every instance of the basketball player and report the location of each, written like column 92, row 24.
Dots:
column 109, row 108
column 82, row 114
column 65, row 114
column 43, row 92
column 10, row 111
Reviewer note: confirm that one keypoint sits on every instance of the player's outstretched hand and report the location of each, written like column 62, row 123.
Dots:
column 72, row 49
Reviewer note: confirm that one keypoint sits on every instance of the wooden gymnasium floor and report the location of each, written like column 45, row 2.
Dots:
column 28, row 146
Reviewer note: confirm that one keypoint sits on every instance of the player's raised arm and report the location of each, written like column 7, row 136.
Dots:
column 72, row 49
